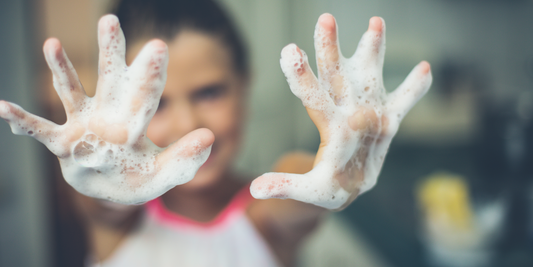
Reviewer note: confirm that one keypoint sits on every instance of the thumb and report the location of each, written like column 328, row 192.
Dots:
column 276, row 185
column 196, row 144
column 306, row 188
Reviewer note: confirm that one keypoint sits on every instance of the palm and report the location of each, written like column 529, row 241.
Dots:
column 355, row 116
column 103, row 148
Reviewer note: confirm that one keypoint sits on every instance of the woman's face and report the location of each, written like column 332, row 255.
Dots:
column 202, row 91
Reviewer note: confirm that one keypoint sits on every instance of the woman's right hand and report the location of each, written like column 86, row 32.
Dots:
column 102, row 148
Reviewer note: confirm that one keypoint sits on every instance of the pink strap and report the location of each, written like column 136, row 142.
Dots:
column 157, row 209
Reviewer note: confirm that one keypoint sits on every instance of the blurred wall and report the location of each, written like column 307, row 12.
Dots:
column 24, row 229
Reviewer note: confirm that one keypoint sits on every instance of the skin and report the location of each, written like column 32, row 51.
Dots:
column 203, row 100
column 113, row 123
column 202, row 91
column 354, row 115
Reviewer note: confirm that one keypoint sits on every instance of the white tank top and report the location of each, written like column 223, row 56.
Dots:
column 167, row 239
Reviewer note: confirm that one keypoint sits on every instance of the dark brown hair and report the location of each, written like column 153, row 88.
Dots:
column 164, row 19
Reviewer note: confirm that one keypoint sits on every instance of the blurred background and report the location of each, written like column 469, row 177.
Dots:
column 456, row 188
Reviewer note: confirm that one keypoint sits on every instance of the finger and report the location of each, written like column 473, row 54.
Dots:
column 304, row 85
column 370, row 52
column 66, row 81
column 196, row 145
column 299, row 187
column 328, row 54
column 301, row 79
column 410, row 91
column 279, row 185
column 25, row 123
column 148, row 71
column 112, row 45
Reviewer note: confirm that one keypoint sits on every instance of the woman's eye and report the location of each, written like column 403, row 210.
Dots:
column 209, row 93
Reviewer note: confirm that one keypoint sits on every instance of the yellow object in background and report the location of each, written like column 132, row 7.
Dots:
column 455, row 232
column 444, row 199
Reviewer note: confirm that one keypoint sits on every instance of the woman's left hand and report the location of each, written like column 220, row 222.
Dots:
column 355, row 116
column 103, row 148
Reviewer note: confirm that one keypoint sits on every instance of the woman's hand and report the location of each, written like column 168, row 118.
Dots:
column 355, row 116
column 103, row 148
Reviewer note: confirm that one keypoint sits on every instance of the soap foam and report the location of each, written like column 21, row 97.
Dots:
column 103, row 149
column 126, row 175
column 352, row 159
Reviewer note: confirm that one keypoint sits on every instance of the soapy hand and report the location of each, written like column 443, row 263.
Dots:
column 102, row 148
column 355, row 116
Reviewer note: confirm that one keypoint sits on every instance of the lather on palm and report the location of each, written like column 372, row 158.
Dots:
column 102, row 148
column 355, row 116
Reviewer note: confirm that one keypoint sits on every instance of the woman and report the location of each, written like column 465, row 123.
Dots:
column 213, row 220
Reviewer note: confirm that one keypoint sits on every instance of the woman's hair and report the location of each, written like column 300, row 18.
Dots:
column 164, row 19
